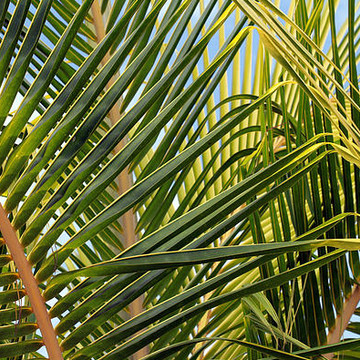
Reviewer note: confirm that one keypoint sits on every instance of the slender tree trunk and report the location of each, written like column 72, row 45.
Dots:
column 124, row 180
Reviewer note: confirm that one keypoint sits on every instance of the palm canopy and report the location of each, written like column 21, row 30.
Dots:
column 179, row 179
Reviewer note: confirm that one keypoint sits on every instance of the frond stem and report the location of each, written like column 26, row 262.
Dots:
column 31, row 287
column 343, row 319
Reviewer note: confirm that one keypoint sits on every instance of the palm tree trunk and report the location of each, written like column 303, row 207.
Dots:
column 124, row 179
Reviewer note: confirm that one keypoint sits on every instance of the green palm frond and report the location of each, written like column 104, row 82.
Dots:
column 179, row 179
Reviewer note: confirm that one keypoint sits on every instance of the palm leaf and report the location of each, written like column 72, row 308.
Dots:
column 223, row 135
